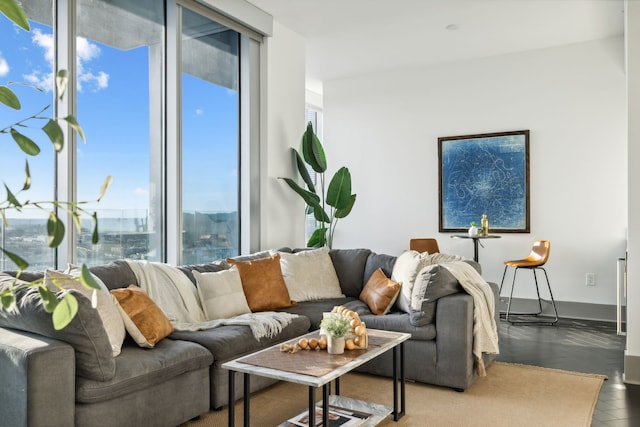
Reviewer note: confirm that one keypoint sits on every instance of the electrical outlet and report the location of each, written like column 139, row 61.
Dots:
column 591, row 279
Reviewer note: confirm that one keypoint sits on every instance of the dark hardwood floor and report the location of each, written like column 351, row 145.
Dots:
column 582, row 346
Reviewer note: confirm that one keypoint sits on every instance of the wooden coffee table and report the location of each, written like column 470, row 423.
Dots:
column 317, row 368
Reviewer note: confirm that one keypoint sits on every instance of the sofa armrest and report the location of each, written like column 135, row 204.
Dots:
column 38, row 380
column 454, row 340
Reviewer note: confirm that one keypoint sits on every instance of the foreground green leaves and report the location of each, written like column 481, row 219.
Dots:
column 14, row 12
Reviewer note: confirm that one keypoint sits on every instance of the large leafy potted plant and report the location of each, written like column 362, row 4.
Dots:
column 65, row 309
column 337, row 196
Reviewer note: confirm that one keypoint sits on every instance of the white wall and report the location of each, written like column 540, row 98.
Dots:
column 384, row 127
column 281, row 209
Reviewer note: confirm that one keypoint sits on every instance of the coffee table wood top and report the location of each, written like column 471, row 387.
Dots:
column 313, row 367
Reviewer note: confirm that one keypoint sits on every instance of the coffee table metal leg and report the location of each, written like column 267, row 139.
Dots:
column 398, row 382
column 247, row 396
column 232, row 401
column 337, row 381
column 312, row 406
column 325, row 404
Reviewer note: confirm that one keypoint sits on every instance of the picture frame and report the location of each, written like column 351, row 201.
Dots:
column 484, row 174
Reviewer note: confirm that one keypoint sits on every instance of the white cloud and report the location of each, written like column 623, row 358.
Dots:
column 4, row 66
column 45, row 41
column 86, row 52
column 199, row 111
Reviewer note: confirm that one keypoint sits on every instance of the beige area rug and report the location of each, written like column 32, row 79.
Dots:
column 510, row 395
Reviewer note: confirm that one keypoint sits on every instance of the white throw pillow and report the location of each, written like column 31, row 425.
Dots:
column 310, row 275
column 106, row 306
column 405, row 270
column 221, row 294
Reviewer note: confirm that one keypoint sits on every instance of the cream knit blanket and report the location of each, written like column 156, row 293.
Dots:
column 485, row 332
column 178, row 298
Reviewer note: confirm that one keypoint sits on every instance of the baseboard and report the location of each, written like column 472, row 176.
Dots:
column 631, row 369
column 566, row 309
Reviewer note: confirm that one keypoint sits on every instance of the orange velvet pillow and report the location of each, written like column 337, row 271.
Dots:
column 380, row 292
column 263, row 283
column 144, row 320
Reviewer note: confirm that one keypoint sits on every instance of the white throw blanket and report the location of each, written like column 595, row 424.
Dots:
column 178, row 298
column 485, row 332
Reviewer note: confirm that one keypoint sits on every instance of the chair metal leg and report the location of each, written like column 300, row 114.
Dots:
column 539, row 314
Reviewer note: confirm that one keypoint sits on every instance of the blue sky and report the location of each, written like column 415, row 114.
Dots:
column 113, row 97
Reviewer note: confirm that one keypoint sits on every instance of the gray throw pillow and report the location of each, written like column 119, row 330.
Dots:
column 85, row 333
column 433, row 282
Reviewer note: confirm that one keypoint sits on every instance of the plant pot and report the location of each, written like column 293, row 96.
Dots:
column 473, row 231
column 335, row 345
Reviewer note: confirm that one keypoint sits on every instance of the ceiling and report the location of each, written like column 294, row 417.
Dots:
column 352, row 37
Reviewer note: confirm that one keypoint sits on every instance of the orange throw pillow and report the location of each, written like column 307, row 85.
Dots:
column 380, row 292
column 144, row 320
column 263, row 283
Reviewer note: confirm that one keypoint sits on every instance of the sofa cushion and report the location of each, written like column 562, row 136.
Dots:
column 116, row 274
column 310, row 275
column 380, row 293
column 396, row 321
column 263, row 283
column 144, row 320
column 106, row 306
column 231, row 341
column 221, row 294
column 212, row 267
column 138, row 369
column 85, row 333
column 375, row 261
column 313, row 310
column 349, row 265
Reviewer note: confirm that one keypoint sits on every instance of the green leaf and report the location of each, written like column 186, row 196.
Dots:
column 27, row 177
column 341, row 213
column 9, row 98
column 8, row 301
column 65, row 312
column 49, row 299
column 87, row 279
column 320, row 215
column 14, row 12
column 303, row 171
column 61, row 82
column 339, row 191
column 54, row 132
column 76, row 126
column 317, row 238
column 309, row 198
column 17, row 260
column 312, row 150
column 55, row 230
column 95, row 236
column 11, row 198
column 27, row 145
column 105, row 186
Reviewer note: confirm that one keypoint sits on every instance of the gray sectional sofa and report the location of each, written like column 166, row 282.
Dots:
column 64, row 378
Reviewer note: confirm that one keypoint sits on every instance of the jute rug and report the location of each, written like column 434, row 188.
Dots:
column 510, row 395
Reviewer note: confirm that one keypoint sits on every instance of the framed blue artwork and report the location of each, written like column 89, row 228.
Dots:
column 484, row 174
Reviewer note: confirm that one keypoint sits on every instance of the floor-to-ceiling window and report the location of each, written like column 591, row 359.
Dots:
column 125, row 100
column 27, row 57
column 119, row 65
column 210, row 139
